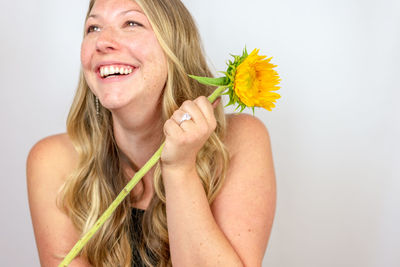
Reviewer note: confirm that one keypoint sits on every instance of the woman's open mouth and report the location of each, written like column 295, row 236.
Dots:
column 114, row 72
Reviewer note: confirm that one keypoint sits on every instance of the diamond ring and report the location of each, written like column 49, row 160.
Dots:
column 185, row 117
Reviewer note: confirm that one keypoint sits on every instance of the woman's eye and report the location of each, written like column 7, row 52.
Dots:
column 132, row 23
column 92, row 28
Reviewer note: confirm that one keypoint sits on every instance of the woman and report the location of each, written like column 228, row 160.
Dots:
column 211, row 199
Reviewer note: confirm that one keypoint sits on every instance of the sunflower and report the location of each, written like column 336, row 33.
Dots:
column 255, row 81
column 251, row 81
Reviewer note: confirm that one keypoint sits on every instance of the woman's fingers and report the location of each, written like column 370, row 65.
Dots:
column 202, row 116
column 216, row 102
column 186, row 125
column 185, row 138
column 207, row 110
column 193, row 109
column 172, row 129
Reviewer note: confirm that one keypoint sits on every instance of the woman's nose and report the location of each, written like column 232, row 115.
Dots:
column 107, row 40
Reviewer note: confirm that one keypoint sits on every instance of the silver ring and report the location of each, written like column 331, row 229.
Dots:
column 185, row 117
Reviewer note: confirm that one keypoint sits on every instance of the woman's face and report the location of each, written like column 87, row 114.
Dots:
column 122, row 61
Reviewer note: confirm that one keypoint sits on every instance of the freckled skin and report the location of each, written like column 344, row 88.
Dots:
column 134, row 45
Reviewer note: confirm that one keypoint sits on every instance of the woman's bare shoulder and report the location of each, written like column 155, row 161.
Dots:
column 49, row 163
column 56, row 152
column 244, row 132
column 54, row 143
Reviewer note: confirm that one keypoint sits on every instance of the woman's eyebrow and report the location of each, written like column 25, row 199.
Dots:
column 120, row 14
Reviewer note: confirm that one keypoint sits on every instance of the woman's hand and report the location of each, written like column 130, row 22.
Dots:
column 184, row 141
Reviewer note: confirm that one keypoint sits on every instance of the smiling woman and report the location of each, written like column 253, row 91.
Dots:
column 119, row 36
column 196, row 207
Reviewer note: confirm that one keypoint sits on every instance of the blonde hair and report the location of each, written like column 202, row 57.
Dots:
column 99, row 176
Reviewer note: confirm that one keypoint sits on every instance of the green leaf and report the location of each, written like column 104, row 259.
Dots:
column 211, row 81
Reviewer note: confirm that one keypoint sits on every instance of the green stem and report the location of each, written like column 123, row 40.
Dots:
column 136, row 178
column 127, row 189
column 217, row 92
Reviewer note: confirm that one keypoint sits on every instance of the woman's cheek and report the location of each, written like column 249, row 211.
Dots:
column 85, row 55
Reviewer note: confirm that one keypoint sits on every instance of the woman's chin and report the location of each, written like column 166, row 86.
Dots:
column 114, row 105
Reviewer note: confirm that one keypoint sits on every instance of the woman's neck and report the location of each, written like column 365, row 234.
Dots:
column 138, row 134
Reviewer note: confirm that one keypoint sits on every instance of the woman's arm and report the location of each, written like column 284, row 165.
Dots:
column 195, row 238
column 48, row 163
column 236, row 229
column 248, row 198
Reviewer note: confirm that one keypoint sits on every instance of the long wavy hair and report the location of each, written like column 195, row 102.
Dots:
column 100, row 176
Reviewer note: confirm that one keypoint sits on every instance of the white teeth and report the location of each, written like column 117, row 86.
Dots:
column 110, row 70
column 106, row 71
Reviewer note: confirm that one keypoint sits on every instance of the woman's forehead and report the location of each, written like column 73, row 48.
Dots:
column 114, row 7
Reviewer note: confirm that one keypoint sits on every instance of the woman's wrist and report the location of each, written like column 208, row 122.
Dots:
column 178, row 168
column 177, row 172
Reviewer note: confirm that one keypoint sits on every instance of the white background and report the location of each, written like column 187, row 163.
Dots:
column 335, row 131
